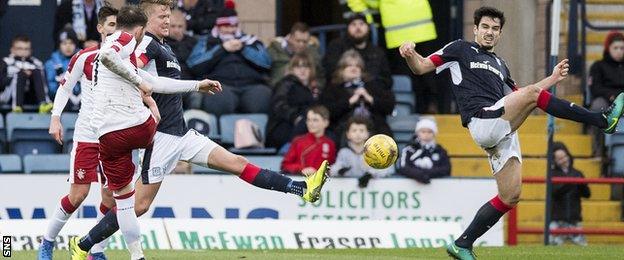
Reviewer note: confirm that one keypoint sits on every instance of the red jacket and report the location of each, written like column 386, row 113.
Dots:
column 308, row 151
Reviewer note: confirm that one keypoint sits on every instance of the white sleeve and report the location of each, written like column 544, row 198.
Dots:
column 70, row 78
column 112, row 60
column 166, row 85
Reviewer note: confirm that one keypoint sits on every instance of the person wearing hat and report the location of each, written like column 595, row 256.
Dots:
column 424, row 159
column 357, row 37
column 239, row 61
column 56, row 66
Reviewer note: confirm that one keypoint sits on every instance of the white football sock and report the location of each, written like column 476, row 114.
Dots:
column 57, row 221
column 129, row 226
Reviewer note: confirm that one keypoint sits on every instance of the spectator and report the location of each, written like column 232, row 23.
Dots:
column 239, row 61
column 358, row 38
column 200, row 15
column 292, row 97
column 56, row 66
column 352, row 93
column 21, row 78
column 308, row 151
column 181, row 43
column 606, row 80
column 81, row 16
column 424, row 159
column 350, row 161
column 566, row 198
column 297, row 41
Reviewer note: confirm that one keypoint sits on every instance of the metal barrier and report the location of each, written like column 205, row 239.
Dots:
column 512, row 225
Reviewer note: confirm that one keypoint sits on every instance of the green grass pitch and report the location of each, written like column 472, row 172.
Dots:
column 505, row 253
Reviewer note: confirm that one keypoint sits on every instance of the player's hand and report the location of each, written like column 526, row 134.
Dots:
column 56, row 129
column 308, row 171
column 407, row 50
column 209, row 86
column 560, row 72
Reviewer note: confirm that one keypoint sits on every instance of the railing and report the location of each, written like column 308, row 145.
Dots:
column 512, row 225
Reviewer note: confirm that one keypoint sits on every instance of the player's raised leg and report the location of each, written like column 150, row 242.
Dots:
column 509, row 181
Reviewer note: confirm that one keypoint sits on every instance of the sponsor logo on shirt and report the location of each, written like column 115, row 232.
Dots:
column 173, row 64
column 484, row 65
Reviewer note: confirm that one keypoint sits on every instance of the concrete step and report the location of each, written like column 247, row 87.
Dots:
column 461, row 144
column 533, row 125
column 596, row 211
column 531, row 167
column 538, row 238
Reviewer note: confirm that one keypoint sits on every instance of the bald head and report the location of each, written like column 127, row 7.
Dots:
column 177, row 28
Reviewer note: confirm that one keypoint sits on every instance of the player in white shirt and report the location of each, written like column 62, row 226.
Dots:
column 121, row 119
column 84, row 160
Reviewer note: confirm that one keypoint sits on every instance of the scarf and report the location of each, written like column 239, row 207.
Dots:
column 79, row 22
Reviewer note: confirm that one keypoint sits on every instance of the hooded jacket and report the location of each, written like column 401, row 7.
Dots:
column 606, row 76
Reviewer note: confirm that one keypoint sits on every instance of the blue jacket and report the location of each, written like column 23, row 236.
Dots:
column 248, row 66
column 56, row 66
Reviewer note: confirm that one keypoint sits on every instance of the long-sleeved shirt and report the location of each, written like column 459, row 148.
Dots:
column 308, row 151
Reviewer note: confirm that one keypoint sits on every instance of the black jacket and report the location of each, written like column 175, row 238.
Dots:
column 290, row 100
column 424, row 163
column 182, row 50
column 202, row 17
column 377, row 66
column 566, row 198
column 336, row 99
column 606, row 78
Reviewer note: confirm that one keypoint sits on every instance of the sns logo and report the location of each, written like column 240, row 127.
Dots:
column 6, row 246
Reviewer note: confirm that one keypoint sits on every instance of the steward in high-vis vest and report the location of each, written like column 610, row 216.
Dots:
column 403, row 20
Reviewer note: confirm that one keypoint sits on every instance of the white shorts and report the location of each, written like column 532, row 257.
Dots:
column 167, row 150
column 495, row 137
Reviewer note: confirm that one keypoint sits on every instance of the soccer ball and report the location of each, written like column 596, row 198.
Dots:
column 380, row 151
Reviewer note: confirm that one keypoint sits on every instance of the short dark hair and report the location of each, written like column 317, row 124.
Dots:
column 359, row 120
column 131, row 16
column 105, row 12
column 299, row 27
column 320, row 110
column 20, row 38
column 489, row 12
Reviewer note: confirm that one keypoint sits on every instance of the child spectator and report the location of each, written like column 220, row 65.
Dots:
column 56, row 66
column 424, row 159
column 308, row 151
column 566, row 198
column 350, row 161
column 21, row 78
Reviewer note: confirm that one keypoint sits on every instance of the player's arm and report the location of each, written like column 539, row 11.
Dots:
column 166, row 85
column 70, row 78
column 417, row 63
column 560, row 72
column 112, row 60
column 151, row 104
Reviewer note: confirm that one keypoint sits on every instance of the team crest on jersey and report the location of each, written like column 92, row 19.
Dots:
column 80, row 173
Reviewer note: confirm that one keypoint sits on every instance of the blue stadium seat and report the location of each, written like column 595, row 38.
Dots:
column 46, row 163
column 28, row 134
column 69, row 124
column 10, row 163
column 405, row 99
column 227, row 132
column 617, row 160
column 273, row 163
column 196, row 169
column 401, row 83
column 203, row 122
column 401, row 109
column 403, row 127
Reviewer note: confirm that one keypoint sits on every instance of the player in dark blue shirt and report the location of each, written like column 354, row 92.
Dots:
column 492, row 108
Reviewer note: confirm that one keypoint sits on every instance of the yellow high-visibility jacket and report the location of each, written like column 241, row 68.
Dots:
column 403, row 20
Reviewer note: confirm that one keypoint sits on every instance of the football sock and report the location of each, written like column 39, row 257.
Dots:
column 129, row 224
column 564, row 109
column 99, row 247
column 104, row 229
column 485, row 218
column 270, row 180
column 58, row 220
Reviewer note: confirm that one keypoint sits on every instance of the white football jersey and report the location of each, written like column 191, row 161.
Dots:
column 118, row 103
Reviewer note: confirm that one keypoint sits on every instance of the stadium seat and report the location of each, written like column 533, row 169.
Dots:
column 227, row 132
column 273, row 163
column 28, row 134
column 405, row 99
column 401, row 109
column 203, row 122
column 401, row 84
column 403, row 127
column 46, row 163
column 10, row 163
column 69, row 124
